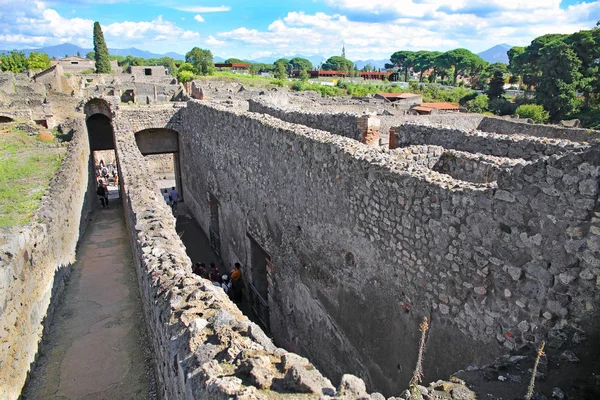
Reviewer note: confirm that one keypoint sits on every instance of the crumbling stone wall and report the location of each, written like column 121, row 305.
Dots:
column 204, row 347
column 511, row 146
column 35, row 261
column 477, row 168
column 511, row 127
column 362, row 246
column 364, row 128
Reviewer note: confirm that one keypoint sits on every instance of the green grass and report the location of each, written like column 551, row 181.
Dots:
column 26, row 167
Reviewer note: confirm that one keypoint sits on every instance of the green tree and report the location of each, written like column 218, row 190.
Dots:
column 253, row 69
column 91, row 55
column 424, row 61
column 15, row 61
column 534, row 111
column 234, row 61
column 185, row 76
column 462, row 61
column 496, row 88
column 586, row 45
column 403, row 60
column 338, row 63
column 285, row 62
column 479, row 104
column 559, row 79
column 303, row 76
column 38, row 61
column 280, row 70
column 202, row 60
column 299, row 64
column 100, row 51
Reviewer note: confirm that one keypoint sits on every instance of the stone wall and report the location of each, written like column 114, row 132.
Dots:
column 204, row 347
column 35, row 262
column 512, row 146
column 477, row 168
column 511, row 127
column 361, row 246
column 160, row 164
column 364, row 128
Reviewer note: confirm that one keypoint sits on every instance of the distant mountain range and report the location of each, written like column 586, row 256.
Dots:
column 61, row 50
column 495, row 54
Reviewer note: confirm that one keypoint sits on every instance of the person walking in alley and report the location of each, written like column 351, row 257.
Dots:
column 102, row 192
column 174, row 198
column 167, row 197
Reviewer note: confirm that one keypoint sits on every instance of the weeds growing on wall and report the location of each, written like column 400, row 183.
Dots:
column 418, row 372
column 540, row 353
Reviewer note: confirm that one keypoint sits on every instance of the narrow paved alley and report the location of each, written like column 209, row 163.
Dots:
column 97, row 347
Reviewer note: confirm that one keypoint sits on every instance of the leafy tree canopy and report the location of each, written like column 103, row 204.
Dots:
column 338, row 63
column 300, row 64
column 234, row 61
column 202, row 60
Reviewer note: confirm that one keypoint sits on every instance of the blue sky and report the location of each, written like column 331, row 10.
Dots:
column 253, row 28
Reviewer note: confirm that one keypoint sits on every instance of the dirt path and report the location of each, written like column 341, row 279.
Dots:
column 97, row 347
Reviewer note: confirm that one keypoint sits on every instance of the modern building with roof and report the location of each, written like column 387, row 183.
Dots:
column 434, row 108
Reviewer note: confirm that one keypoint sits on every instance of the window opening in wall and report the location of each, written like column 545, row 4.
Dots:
column 147, row 71
column 215, row 238
column 260, row 262
column 74, row 62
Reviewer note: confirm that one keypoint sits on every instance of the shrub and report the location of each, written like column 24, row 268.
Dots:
column 534, row 111
column 479, row 104
column 502, row 107
column 185, row 76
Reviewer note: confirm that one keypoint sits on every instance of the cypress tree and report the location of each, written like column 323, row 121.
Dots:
column 101, row 51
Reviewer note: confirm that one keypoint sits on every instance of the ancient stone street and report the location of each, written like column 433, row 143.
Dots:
column 97, row 347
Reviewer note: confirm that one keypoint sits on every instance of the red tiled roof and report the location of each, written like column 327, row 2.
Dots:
column 440, row 106
column 398, row 95
column 424, row 109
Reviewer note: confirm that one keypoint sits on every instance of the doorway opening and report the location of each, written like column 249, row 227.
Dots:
column 260, row 262
column 215, row 236
column 106, row 170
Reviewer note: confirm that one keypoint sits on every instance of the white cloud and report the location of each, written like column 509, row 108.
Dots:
column 200, row 9
column 368, row 31
column 33, row 25
column 212, row 41
column 199, row 18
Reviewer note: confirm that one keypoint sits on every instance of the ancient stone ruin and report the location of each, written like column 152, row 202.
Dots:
column 353, row 225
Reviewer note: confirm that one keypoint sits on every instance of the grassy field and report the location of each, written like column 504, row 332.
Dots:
column 26, row 166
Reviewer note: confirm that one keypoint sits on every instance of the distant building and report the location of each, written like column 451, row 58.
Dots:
column 374, row 75
column 434, row 108
column 141, row 71
column 234, row 67
column 405, row 98
column 76, row 64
